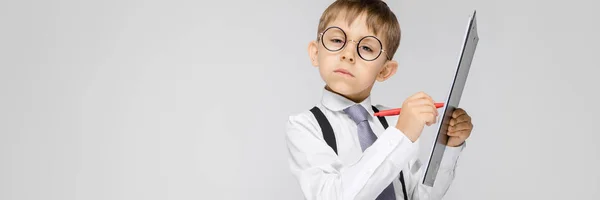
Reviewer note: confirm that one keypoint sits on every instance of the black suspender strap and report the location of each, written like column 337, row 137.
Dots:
column 381, row 118
column 403, row 185
column 329, row 136
column 325, row 128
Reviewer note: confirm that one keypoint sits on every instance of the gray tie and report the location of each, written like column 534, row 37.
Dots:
column 366, row 137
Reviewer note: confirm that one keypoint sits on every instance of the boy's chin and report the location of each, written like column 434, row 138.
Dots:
column 343, row 88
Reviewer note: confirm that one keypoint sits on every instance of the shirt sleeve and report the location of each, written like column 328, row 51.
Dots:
column 322, row 175
column 444, row 178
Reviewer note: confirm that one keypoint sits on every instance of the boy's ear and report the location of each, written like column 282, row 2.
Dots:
column 389, row 68
column 313, row 51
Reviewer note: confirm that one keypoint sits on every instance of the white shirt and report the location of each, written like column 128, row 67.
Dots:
column 353, row 174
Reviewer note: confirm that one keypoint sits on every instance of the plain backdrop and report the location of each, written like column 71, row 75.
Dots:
column 189, row 99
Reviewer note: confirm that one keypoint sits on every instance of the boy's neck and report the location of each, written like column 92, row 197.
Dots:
column 356, row 98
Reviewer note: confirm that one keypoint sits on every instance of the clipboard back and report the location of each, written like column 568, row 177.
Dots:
column 453, row 99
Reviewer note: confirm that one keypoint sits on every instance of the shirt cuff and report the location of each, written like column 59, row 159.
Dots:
column 451, row 155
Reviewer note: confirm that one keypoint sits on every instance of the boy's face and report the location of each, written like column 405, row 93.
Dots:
column 344, row 71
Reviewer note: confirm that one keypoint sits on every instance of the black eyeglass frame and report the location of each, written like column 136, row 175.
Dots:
column 357, row 46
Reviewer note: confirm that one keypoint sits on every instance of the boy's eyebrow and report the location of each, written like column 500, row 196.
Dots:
column 360, row 36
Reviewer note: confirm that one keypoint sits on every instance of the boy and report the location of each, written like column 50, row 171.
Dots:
column 338, row 149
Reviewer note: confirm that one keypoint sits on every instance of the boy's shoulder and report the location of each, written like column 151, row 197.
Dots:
column 306, row 116
column 304, row 122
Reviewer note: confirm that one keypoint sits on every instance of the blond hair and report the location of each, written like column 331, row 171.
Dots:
column 380, row 19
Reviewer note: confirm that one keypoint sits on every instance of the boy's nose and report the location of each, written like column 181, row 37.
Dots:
column 348, row 55
column 351, row 59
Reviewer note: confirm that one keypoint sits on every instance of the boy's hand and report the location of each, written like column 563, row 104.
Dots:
column 418, row 110
column 460, row 127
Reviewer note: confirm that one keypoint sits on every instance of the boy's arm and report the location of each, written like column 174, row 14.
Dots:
column 444, row 178
column 323, row 176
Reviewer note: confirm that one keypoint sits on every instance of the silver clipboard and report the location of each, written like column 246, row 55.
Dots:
column 453, row 98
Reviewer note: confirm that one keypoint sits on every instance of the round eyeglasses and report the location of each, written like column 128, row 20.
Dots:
column 369, row 48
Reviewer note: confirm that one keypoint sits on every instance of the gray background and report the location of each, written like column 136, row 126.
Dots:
column 188, row 99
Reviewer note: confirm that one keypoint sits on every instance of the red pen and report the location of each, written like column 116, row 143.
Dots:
column 396, row 111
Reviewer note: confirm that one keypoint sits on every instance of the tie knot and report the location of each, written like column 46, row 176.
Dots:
column 357, row 113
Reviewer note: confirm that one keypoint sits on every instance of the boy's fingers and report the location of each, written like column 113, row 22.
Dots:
column 458, row 112
column 427, row 109
column 452, row 122
column 429, row 119
column 461, row 126
column 462, row 118
column 459, row 134
column 426, row 96
column 421, row 95
column 419, row 102
column 422, row 101
column 452, row 133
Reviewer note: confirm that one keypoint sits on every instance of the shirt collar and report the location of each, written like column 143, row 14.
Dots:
column 336, row 102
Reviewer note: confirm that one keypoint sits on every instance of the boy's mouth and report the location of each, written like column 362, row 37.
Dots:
column 343, row 71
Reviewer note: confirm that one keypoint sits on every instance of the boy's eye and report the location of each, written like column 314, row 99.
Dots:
column 366, row 48
column 337, row 41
